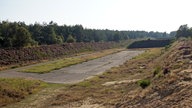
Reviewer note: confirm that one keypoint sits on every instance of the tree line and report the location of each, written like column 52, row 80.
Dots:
column 184, row 31
column 18, row 34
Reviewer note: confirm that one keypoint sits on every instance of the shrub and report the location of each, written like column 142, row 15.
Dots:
column 156, row 71
column 70, row 39
column 144, row 83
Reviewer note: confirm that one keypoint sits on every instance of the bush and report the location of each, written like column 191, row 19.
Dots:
column 70, row 39
column 156, row 71
column 144, row 83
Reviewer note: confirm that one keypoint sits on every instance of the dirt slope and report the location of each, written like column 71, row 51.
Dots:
column 173, row 90
column 119, row 88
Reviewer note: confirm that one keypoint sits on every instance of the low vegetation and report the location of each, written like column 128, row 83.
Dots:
column 149, row 53
column 14, row 89
column 168, row 88
column 97, row 92
column 157, row 71
column 134, row 84
column 53, row 66
column 58, row 64
column 144, row 83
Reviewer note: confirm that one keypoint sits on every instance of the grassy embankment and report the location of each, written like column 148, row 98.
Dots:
column 111, row 86
column 98, row 89
column 15, row 89
column 58, row 64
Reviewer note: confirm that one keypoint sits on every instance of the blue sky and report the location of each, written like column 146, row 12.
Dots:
column 149, row 15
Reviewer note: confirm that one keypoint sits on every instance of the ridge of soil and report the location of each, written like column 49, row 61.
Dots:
column 172, row 90
column 15, row 57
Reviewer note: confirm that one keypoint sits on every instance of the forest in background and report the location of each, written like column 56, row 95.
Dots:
column 18, row 34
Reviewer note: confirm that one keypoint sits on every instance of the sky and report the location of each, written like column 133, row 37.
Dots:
column 148, row 15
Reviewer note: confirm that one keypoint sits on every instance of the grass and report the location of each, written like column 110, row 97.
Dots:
column 53, row 66
column 109, row 95
column 15, row 89
column 91, row 88
column 84, row 84
column 144, row 83
column 58, row 64
column 157, row 71
column 149, row 53
column 94, row 89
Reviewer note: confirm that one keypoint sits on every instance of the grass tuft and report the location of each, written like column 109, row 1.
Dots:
column 84, row 84
column 144, row 83
column 157, row 71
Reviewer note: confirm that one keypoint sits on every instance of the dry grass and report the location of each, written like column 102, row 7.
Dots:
column 150, row 53
column 97, row 93
column 107, row 95
column 3, row 68
column 171, row 90
column 15, row 89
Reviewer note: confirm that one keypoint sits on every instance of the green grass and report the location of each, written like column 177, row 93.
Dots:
column 58, row 64
column 15, row 89
column 144, row 83
column 149, row 53
column 157, row 71
column 53, row 66
column 84, row 84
